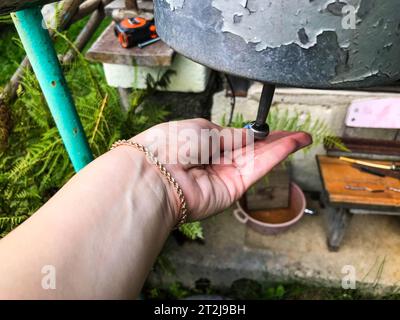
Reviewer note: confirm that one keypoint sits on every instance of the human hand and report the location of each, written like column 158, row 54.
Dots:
column 209, row 187
column 118, row 211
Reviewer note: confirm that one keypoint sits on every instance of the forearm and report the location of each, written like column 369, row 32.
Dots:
column 101, row 232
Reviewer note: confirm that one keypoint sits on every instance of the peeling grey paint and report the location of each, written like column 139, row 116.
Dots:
column 175, row 4
column 271, row 24
column 375, row 43
column 295, row 42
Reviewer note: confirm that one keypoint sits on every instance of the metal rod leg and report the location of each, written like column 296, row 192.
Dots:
column 42, row 55
column 259, row 127
column 267, row 96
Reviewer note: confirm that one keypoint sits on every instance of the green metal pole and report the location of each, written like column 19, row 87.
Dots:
column 43, row 58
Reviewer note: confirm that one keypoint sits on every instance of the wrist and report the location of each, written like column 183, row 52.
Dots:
column 151, row 188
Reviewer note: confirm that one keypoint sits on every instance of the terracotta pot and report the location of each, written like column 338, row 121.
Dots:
column 273, row 221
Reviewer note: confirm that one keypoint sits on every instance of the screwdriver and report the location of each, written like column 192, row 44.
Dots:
column 392, row 167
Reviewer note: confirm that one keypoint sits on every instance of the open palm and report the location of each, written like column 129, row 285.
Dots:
column 212, row 187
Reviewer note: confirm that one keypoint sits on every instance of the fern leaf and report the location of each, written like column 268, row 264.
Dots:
column 192, row 230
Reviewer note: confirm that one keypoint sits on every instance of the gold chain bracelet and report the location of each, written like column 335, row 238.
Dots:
column 183, row 211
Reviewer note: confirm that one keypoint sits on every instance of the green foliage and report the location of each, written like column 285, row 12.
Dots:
column 274, row 293
column 9, row 223
column 36, row 164
column 164, row 265
column 11, row 52
column 142, row 114
column 282, row 119
column 192, row 230
column 237, row 121
column 268, row 291
column 178, row 291
column 6, row 19
column 154, row 293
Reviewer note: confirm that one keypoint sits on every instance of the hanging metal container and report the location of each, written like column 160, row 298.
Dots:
column 302, row 43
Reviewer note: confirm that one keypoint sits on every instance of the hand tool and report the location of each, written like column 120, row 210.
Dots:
column 135, row 31
column 393, row 166
column 377, row 172
column 373, row 171
column 394, row 189
column 356, row 188
column 149, row 42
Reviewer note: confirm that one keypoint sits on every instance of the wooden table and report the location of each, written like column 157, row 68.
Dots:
column 338, row 178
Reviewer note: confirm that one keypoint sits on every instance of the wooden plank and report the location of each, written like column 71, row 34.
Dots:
column 374, row 212
column 107, row 49
column 369, row 146
column 337, row 174
column 392, row 87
